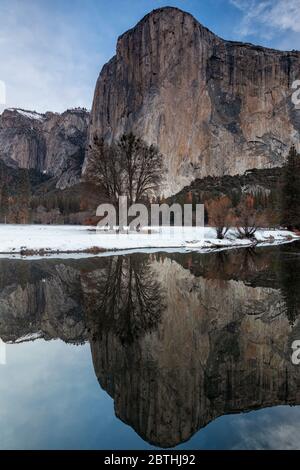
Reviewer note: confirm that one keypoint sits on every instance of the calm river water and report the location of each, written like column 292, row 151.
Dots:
column 151, row 351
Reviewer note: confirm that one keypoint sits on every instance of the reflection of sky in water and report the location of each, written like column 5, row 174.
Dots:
column 50, row 398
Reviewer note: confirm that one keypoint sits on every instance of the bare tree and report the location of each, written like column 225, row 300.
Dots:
column 247, row 218
column 142, row 166
column 219, row 215
column 104, row 169
column 127, row 167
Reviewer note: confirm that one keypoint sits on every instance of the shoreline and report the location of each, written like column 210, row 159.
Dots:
column 79, row 241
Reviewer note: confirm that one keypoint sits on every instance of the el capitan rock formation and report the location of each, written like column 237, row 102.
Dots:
column 212, row 106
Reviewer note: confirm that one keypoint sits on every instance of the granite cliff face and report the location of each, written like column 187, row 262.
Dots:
column 212, row 106
column 51, row 143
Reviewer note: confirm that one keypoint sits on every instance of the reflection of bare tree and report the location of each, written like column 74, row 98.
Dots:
column 124, row 298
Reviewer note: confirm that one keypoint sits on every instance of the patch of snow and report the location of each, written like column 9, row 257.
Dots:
column 75, row 239
column 29, row 114
column 29, row 337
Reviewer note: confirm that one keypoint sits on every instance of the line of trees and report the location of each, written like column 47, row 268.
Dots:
column 131, row 167
column 281, row 206
column 18, row 203
column 291, row 191
column 64, row 202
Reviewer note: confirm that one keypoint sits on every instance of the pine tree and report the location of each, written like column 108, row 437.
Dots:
column 289, row 287
column 4, row 197
column 23, row 195
column 291, row 191
column 4, row 202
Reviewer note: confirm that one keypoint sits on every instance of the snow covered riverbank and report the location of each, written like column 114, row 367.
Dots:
column 30, row 240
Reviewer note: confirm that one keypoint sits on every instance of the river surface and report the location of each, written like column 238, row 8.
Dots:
column 186, row 351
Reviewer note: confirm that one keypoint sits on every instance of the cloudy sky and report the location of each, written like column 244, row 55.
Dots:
column 52, row 50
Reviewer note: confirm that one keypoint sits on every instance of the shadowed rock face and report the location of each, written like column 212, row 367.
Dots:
column 50, row 143
column 212, row 106
column 175, row 343
column 219, row 347
column 41, row 299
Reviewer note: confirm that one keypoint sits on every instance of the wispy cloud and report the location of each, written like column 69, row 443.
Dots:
column 270, row 18
column 269, row 428
column 44, row 59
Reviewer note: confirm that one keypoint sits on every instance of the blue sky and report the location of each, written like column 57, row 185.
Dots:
column 52, row 50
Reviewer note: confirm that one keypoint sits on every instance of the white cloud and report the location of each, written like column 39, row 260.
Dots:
column 284, row 14
column 273, row 428
column 269, row 18
column 44, row 61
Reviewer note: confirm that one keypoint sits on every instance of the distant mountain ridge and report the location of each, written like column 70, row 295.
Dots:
column 51, row 143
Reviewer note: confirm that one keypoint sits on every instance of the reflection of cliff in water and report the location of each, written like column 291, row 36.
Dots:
column 41, row 298
column 176, row 340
